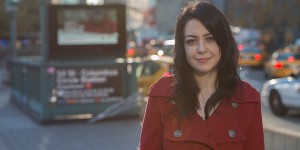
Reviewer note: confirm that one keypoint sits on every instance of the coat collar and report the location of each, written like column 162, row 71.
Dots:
column 245, row 93
column 165, row 87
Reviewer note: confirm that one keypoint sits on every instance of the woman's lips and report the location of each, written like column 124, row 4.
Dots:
column 203, row 60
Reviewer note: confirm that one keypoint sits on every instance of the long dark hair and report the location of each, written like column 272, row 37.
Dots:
column 227, row 69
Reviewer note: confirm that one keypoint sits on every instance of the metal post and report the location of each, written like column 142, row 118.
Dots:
column 44, row 29
column 13, row 32
column 44, row 53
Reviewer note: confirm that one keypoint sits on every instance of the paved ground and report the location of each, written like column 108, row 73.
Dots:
column 19, row 132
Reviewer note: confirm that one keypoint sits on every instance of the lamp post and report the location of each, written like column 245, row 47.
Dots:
column 11, row 7
column 43, row 28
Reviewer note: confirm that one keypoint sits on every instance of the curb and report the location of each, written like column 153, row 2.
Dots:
column 281, row 139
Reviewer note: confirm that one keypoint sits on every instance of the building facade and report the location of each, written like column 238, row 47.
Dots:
column 166, row 14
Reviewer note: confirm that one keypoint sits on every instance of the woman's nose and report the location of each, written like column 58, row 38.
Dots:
column 201, row 48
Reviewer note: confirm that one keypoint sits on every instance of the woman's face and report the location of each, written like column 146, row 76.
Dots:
column 202, row 51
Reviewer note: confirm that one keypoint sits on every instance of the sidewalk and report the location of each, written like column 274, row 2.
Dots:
column 20, row 132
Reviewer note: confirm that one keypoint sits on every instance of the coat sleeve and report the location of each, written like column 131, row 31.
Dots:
column 151, row 135
column 255, row 134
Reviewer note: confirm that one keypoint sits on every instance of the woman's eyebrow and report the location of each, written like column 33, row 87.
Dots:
column 207, row 34
column 192, row 36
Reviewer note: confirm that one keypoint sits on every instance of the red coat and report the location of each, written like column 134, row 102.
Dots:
column 236, row 124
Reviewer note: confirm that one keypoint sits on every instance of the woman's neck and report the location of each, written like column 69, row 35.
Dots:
column 206, row 82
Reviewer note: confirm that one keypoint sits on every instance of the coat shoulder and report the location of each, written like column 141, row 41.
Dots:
column 246, row 93
column 164, row 87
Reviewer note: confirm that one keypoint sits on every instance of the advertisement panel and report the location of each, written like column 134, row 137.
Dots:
column 84, row 31
column 86, row 85
column 87, row 27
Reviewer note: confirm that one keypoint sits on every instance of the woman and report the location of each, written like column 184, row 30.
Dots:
column 204, row 105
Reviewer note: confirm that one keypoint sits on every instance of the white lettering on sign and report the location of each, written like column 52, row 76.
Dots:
column 93, row 72
column 103, row 92
column 93, row 79
column 67, row 80
column 88, row 85
column 73, row 86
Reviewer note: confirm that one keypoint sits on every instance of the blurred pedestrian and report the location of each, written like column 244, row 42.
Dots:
column 204, row 105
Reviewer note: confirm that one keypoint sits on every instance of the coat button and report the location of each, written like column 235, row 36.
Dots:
column 235, row 105
column 172, row 101
column 177, row 133
column 232, row 133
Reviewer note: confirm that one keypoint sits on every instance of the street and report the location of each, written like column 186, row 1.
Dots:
column 290, row 122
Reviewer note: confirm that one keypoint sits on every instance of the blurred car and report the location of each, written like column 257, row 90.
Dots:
column 297, row 42
column 168, row 47
column 282, row 63
column 282, row 94
column 149, row 70
column 162, row 48
column 251, row 56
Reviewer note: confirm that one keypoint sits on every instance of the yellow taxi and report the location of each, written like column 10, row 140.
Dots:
column 251, row 56
column 282, row 63
column 149, row 70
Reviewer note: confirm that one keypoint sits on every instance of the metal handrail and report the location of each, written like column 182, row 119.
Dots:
column 125, row 105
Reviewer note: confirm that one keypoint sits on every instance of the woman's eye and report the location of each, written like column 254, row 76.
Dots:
column 210, row 39
column 191, row 41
